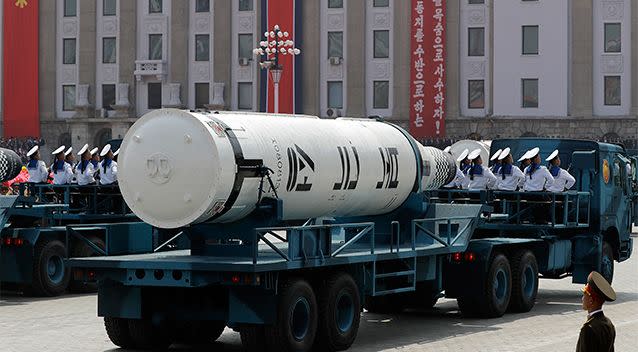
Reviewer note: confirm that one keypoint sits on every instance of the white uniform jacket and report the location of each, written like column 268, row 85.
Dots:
column 540, row 180
column 487, row 180
column 110, row 175
column 563, row 181
column 84, row 177
column 512, row 180
column 64, row 176
column 39, row 173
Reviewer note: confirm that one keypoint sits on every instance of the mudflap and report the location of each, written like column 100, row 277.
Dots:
column 118, row 301
column 585, row 257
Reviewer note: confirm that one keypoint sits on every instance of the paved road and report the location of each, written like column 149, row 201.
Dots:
column 69, row 323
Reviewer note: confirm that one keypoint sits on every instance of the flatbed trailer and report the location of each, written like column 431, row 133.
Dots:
column 301, row 286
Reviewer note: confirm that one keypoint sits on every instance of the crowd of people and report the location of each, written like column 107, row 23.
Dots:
column 21, row 145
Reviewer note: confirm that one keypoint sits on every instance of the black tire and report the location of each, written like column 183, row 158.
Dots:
column 296, row 325
column 388, row 304
column 339, row 313
column 492, row 301
column 82, row 250
column 117, row 330
column 253, row 338
column 607, row 262
column 50, row 273
column 147, row 336
column 194, row 332
column 524, row 281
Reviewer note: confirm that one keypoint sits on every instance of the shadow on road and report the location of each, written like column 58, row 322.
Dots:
column 17, row 298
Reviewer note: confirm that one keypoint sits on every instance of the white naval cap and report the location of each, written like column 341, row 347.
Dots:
column 94, row 150
column 533, row 152
column 463, row 155
column 59, row 150
column 32, row 151
column 116, row 152
column 105, row 150
column 552, row 156
column 68, row 151
column 83, row 149
column 447, row 149
column 474, row 154
column 504, row 153
column 496, row 155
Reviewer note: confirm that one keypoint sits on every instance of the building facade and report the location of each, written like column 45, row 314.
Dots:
column 559, row 68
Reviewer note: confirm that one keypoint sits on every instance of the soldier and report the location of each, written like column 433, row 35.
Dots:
column 37, row 168
column 524, row 161
column 84, row 170
column 117, row 152
column 537, row 177
column 69, row 158
column 598, row 332
column 480, row 176
column 95, row 158
column 562, row 179
column 509, row 178
column 108, row 167
column 497, row 162
column 62, row 171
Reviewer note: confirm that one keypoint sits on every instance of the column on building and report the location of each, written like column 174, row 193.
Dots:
column 125, row 99
column 531, row 58
column 379, row 58
column 106, row 63
column 201, row 63
column 612, row 58
column 151, row 66
column 244, row 38
column 332, row 58
column 474, row 58
column 67, row 73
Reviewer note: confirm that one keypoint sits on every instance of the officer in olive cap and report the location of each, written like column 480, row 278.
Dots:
column 598, row 333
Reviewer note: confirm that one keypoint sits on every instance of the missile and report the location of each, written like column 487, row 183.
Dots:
column 10, row 164
column 178, row 168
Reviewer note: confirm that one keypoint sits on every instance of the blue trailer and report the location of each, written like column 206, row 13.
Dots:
column 297, row 286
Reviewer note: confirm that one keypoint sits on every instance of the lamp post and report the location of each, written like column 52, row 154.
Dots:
column 275, row 43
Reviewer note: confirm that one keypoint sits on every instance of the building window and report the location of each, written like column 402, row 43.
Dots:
column 154, row 46
column 530, row 40
column 381, row 44
column 154, row 91
column 108, row 96
column 202, row 6
column 335, row 95
column 245, row 96
column 612, row 90
column 335, row 44
column 245, row 46
column 109, row 50
column 109, row 7
column 245, row 5
column 201, row 95
column 476, row 94
column 612, row 38
column 476, row 41
column 381, row 3
column 154, row 6
column 381, row 95
column 530, row 93
column 202, row 47
column 68, row 51
column 70, row 8
column 68, row 98
column 335, row 4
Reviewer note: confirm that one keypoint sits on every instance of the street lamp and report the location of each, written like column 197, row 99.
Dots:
column 275, row 43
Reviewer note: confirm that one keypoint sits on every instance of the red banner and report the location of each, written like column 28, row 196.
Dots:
column 427, row 73
column 282, row 13
column 20, row 62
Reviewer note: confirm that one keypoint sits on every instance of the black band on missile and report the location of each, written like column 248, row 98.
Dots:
column 10, row 165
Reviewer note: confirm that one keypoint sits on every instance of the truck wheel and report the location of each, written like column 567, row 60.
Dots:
column 117, row 330
column 339, row 313
column 494, row 299
column 524, row 281
column 296, row 324
column 50, row 273
column 145, row 335
column 82, row 250
column 607, row 262
column 252, row 337
column 195, row 332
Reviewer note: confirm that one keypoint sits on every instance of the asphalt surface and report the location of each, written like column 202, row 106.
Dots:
column 69, row 323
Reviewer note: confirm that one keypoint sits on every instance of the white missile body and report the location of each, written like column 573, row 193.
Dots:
column 178, row 168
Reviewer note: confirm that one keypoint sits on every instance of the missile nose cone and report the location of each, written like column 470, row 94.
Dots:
column 10, row 165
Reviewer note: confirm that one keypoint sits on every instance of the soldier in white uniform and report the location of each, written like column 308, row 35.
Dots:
column 562, row 179
column 62, row 171
column 537, row 177
column 480, row 176
column 509, row 177
column 108, row 167
column 69, row 158
column 524, row 161
column 38, row 172
column 497, row 162
column 84, row 170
